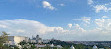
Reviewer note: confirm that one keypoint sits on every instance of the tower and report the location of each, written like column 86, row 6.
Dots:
column 37, row 37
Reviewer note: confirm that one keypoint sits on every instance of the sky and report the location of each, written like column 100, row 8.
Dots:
column 69, row 20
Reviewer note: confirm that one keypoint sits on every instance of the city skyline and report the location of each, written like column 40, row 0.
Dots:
column 69, row 20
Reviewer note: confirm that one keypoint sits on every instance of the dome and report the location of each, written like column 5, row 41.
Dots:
column 95, row 47
column 52, row 45
column 72, row 47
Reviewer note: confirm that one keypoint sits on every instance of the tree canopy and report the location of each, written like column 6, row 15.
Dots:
column 3, row 38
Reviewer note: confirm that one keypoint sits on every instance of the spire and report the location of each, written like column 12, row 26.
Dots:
column 37, row 36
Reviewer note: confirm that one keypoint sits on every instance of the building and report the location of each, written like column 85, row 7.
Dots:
column 46, row 40
column 40, row 45
column 14, row 40
column 36, row 39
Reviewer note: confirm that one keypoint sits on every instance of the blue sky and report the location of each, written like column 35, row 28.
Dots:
column 33, row 10
column 68, row 17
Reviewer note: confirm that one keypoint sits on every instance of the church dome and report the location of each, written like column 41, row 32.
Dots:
column 52, row 45
column 95, row 47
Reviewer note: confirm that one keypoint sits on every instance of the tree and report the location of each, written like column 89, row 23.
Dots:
column 3, row 39
column 27, row 45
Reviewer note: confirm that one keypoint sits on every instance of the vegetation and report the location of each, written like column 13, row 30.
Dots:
column 3, row 39
column 27, row 45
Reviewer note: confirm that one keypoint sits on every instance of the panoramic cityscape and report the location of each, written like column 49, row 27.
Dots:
column 55, row 24
column 36, row 42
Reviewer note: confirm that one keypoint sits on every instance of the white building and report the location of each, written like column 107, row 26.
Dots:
column 14, row 40
column 40, row 45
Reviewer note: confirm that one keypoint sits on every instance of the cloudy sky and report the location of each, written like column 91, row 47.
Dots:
column 75, row 20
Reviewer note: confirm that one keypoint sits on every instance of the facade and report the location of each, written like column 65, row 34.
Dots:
column 40, row 45
column 14, row 40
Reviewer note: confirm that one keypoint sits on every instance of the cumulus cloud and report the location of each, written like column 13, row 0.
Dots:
column 100, row 22
column 69, row 25
column 24, row 27
column 99, row 8
column 27, row 27
column 84, row 19
column 78, row 28
column 47, row 5
column 104, row 25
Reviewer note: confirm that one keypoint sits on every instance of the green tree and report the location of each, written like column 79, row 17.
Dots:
column 3, row 39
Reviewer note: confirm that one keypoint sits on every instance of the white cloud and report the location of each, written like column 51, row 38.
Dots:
column 47, row 5
column 99, row 8
column 100, row 22
column 90, row 2
column 86, row 19
column 28, row 28
column 69, row 25
column 78, row 28
column 104, row 25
